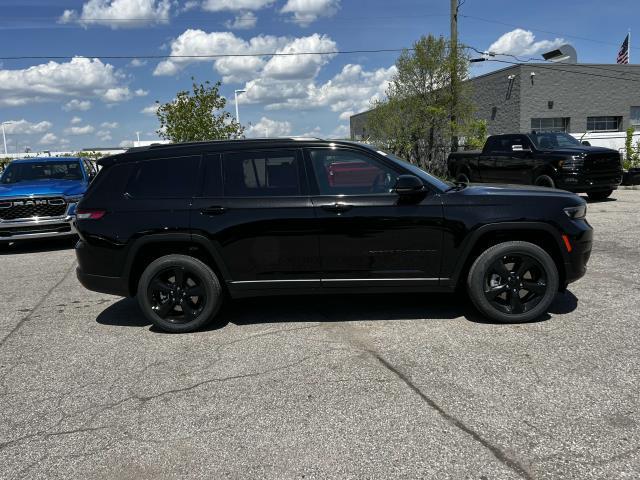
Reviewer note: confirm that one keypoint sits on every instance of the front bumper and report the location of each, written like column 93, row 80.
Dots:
column 575, row 264
column 585, row 182
column 36, row 228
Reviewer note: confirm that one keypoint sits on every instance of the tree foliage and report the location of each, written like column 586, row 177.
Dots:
column 632, row 157
column 414, row 121
column 198, row 115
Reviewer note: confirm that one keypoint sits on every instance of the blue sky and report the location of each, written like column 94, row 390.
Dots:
column 71, row 104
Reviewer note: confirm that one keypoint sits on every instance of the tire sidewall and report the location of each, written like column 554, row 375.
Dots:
column 210, row 283
column 475, row 281
column 545, row 181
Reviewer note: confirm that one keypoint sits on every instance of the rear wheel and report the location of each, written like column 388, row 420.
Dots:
column 179, row 294
column 545, row 181
column 599, row 195
column 513, row 282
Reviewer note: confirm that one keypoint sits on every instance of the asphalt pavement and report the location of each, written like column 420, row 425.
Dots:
column 397, row 386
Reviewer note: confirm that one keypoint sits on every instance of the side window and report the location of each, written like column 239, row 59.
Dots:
column 346, row 172
column 164, row 178
column 261, row 174
column 212, row 175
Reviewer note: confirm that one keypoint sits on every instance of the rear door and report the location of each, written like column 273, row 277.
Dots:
column 514, row 160
column 255, row 209
column 368, row 235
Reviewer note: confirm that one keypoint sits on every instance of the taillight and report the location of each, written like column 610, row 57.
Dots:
column 90, row 214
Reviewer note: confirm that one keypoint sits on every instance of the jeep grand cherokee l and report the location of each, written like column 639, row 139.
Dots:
column 183, row 226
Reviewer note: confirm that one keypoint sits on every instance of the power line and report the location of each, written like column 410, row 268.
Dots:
column 543, row 31
column 217, row 55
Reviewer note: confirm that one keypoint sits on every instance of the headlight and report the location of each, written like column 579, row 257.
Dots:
column 576, row 213
column 574, row 161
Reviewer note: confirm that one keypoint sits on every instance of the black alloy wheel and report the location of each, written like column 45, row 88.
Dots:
column 515, row 283
column 179, row 293
column 176, row 295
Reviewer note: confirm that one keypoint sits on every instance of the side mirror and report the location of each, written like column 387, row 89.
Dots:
column 586, row 144
column 408, row 185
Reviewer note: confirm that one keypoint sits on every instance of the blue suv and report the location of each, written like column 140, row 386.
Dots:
column 38, row 196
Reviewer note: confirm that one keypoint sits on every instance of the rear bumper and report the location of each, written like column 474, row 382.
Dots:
column 36, row 228
column 581, row 182
column 102, row 284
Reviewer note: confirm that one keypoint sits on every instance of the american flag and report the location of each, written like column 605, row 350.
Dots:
column 623, row 54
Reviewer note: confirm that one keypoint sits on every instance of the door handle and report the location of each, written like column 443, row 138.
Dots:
column 337, row 207
column 213, row 210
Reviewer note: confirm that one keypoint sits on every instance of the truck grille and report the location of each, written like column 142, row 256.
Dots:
column 602, row 162
column 20, row 208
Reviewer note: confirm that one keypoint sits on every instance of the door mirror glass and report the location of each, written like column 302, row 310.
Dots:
column 408, row 185
column 586, row 144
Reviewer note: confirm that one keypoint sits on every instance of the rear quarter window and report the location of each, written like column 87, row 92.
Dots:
column 109, row 185
column 174, row 177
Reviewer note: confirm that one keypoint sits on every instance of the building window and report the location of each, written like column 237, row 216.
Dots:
column 553, row 124
column 603, row 124
column 635, row 117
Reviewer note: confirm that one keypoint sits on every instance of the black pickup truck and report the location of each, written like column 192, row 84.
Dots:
column 549, row 159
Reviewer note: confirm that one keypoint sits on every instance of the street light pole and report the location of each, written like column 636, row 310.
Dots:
column 4, row 138
column 237, row 109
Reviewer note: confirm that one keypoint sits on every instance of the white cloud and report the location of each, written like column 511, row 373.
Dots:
column 136, row 63
column 25, row 127
column 48, row 139
column 235, row 5
column 126, row 144
column 150, row 110
column 267, row 127
column 104, row 135
column 308, row 11
column 118, row 94
column 238, row 69
column 79, row 77
column 84, row 130
column 341, row 131
column 522, row 42
column 109, row 125
column 76, row 104
column 75, row 120
column 244, row 21
column 120, row 13
column 141, row 93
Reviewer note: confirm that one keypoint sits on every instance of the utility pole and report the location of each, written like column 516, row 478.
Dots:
column 454, row 70
column 4, row 138
column 237, row 109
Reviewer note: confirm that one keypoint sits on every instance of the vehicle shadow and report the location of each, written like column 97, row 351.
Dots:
column 38, row 245
column 604, row 200
column 332, row 308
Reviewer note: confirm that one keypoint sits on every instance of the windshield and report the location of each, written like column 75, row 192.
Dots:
column 25, row 172
column 553, row 140
column 417, row 171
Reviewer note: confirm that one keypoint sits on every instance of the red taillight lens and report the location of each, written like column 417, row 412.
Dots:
column 90, row 214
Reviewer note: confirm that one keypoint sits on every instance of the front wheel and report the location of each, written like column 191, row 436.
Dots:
column 179, row 293
column 545, row 181
column 513, row 282
column 599, row 195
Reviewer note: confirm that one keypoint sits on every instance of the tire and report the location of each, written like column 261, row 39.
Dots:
column 545, row 181
column 462, row 177
column 487, row 280
column 163, row 292
column 599, row 195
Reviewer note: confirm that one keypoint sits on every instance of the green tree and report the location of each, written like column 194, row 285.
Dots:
column 414, row 120
column 632, row 157
column 198, row 115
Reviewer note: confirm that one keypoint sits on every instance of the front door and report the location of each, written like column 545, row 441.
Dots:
column 255, row 210
column 367, row 234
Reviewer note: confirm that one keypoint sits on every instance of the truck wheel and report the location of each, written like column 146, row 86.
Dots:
column 462, row 177
column 545, row 181
column 179, row 293
column 513, row 282
column 599, row 195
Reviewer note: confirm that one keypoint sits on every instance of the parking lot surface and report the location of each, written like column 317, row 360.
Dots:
column 409, row 386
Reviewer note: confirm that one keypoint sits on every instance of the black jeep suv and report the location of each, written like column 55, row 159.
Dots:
column 182, row 226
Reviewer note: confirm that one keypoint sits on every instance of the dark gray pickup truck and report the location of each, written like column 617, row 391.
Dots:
column 549, row 159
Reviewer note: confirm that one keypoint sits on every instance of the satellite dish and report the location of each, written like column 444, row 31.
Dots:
column 565, row 53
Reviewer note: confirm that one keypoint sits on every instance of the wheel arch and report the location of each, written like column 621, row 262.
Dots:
column 150, row 247
column 537, row 233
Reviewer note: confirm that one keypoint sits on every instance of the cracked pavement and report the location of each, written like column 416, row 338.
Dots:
column 398, row 386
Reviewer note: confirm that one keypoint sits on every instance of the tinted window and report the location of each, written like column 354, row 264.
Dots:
column 24, row 172
column 212, row 176
column 345, row 172
column 261, row 174
column 164, row 178
column 508, row 143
